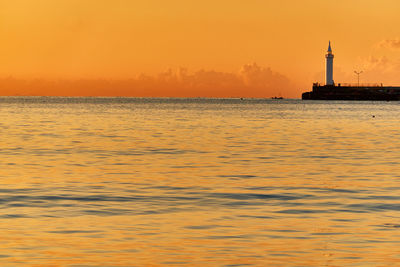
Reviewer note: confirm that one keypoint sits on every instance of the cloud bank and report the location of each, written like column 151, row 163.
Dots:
column 251, row 80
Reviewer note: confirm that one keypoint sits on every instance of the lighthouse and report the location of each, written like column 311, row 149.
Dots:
column 329, row 66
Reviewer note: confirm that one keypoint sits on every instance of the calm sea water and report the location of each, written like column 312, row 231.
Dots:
column 199, row 182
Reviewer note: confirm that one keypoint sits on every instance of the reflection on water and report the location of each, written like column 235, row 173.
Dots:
column 123, row 181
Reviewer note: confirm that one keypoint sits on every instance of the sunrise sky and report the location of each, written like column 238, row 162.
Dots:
column 195, row 48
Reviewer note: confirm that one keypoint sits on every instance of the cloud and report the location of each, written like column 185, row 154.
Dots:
column 389, row 43
column 377, row 69
column 258, row 77
column 381, row 63
column 251, row 80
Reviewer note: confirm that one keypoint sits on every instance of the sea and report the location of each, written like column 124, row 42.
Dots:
column 198, row 182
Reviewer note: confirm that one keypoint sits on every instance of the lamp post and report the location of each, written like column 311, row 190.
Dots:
column 358, row 77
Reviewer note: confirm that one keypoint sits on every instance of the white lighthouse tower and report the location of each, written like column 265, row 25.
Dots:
column 329, row 66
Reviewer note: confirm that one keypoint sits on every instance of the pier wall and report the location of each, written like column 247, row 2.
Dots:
column 338, row 92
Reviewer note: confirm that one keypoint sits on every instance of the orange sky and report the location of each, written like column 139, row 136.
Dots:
column 120, row 39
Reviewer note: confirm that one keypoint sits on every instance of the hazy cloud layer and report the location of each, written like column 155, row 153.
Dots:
column 390, row 43
column 383, row 65
column 382, row 69
column 379, row 63
column 251, row 81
